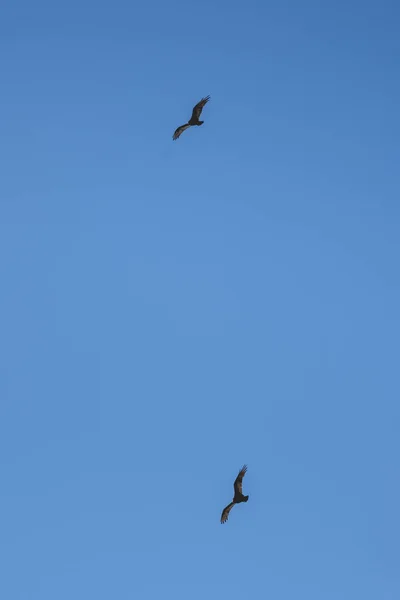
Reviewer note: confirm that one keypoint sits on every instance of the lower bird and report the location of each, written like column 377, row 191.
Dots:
column 194, row 119
column 238, row 497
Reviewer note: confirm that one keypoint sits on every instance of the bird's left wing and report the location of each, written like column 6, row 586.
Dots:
column 179, row 131
column 226, row 511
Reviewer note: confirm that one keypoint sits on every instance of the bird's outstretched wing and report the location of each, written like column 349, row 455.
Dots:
column 237, row 486
column 226, row 511
column 180, row 130
column 199, row 107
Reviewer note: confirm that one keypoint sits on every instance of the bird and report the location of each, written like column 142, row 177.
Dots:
column 238, row 497
column 194, row 119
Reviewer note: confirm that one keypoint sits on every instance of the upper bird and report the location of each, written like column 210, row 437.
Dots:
column 194, row 119
column 238, row 497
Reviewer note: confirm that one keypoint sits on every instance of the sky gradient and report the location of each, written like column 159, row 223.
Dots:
column 173, row 310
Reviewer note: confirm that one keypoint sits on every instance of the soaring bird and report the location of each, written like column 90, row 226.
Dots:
column 238, row 497
column 194, row 119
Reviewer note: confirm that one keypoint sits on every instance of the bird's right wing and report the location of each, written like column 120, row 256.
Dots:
column 196, row 112
column 237, row 486
column 226, row 511
column 180, row 130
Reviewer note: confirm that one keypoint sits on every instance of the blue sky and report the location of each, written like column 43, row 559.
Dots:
column 172, row 310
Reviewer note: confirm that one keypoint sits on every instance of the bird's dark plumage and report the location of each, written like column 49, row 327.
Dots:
column 238, row 496
column 194, row 119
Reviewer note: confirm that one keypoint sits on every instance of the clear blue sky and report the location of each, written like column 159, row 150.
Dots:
column 172, row 310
